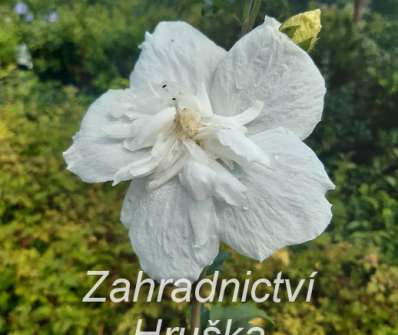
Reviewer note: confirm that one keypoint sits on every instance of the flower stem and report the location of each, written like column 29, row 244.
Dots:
column 195, row 316
column 196, row 307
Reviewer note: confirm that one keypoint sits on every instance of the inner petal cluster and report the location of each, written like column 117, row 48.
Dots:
column 187, row 123
column 183, row 138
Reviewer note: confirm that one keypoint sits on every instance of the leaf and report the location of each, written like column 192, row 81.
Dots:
column 204, row 316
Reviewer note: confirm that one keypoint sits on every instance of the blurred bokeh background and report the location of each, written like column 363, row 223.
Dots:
column 57, row 56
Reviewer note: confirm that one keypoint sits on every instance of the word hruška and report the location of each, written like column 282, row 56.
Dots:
column 211, row 328
column 257, row 290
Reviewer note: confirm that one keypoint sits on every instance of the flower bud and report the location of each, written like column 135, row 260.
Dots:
column 303, row 28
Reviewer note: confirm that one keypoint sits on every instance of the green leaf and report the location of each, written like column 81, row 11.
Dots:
column 204, row 316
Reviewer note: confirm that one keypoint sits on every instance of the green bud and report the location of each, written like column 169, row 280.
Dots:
column 303, row 28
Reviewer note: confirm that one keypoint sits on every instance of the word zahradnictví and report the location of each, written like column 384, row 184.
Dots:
column 212, row 328
column 204, row 290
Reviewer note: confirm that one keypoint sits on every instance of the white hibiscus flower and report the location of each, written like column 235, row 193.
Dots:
column 213, row 140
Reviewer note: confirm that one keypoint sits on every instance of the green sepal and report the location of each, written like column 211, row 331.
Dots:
column 218, row 262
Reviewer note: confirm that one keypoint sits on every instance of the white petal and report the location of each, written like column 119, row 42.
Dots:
column 94, row 156
column 176, row 52
column 205, row 104
column 146, row 136
column 169, row 167
column 239, row 148
column 266, row 65
column 204, row 223
column 286, row 204
column 198, row 179
column 133, row 102
column 120, row 130
column 249, row 114
column 162, row 234
column 204, row 177
column 141, row 167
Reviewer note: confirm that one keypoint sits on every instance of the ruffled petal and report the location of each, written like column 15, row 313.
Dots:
column 141, row 167
column 286, row 204
column 230, row 144
column 204, row 177
column 165, row 233
column 177, row 53
column 146, row 135
column 97, row 152
column 266, row 65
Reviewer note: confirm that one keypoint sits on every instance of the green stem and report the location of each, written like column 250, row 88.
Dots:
column 195, row 315
column 196, row 307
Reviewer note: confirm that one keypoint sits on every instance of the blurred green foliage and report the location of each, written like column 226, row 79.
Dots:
column 53, row 228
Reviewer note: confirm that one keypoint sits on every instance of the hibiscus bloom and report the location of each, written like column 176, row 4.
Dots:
column 213, row 141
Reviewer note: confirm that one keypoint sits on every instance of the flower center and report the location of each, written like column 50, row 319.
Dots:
column 187, row 123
